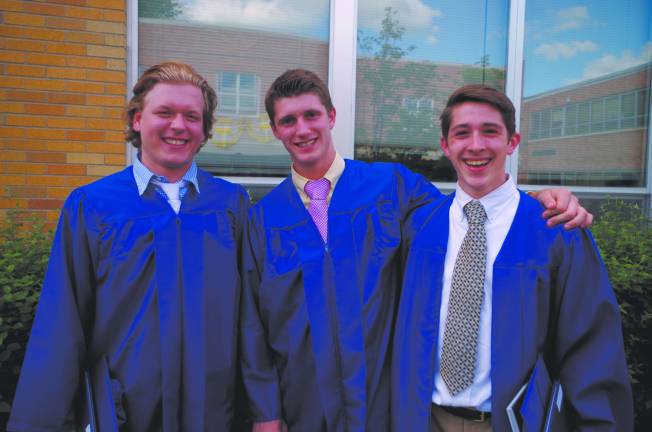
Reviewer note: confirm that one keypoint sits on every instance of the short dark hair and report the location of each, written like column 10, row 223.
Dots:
column 296, row 82
column 481, row 94
column 169, row 72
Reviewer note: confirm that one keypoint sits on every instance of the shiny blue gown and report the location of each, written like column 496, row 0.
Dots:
column 541, row 276
column 145, row 300
column 317, row 318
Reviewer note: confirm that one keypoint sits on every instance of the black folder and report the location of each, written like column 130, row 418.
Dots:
column 539, row 403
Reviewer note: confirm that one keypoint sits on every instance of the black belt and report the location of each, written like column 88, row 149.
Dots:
column 467, row 413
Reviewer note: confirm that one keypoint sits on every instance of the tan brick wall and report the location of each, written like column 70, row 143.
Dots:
column 62, row 89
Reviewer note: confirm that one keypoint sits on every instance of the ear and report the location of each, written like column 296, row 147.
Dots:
column 443, row 143
column 135, row 123
column 331, row 118
column 274, row 131
column 513, row 142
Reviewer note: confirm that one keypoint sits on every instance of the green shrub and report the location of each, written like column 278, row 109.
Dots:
column 624, row 237
column 24, row 251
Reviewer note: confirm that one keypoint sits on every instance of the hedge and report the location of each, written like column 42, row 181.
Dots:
column 624, row 236
column 24, row 251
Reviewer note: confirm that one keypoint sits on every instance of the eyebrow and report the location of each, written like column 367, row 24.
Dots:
column 182, row 109
column 287, row 117
column 487, row 124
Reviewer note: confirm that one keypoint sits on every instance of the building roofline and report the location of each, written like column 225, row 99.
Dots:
column 592, row 81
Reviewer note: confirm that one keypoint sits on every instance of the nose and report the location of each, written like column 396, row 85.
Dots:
column 302, row 127
column 476, row 143
column 178, row 122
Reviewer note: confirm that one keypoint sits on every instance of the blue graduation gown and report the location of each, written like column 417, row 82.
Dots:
column 536, row 269
column 147, row 301
column 317, row 318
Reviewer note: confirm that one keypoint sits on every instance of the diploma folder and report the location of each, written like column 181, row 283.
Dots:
column 539, row 404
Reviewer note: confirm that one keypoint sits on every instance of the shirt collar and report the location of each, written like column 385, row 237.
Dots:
column 333, row 175
column 143, row 175
column 494, row 202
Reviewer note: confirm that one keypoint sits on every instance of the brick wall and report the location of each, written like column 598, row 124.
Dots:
column 62, row 92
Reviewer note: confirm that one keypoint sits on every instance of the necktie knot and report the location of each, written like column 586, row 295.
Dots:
column 317, row 189
column 475, row 213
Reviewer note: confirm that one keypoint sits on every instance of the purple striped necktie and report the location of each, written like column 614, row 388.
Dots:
column 317, row 190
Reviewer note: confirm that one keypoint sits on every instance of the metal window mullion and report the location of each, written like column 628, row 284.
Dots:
column 342, row 72
column 514, row 73
column 648, row 177
column 132, row 65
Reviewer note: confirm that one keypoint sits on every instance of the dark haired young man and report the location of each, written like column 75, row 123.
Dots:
column 323, row 272
column 143, row 284
column 488, row 288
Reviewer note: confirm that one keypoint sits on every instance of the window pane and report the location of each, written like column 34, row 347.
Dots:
column 240, row 47
column 545, row 124
column 556, row 122
column 611, row 112
column 247, row 82
column 411, row 56
column 570, row 127
column 643, row 106
column 587, row 60
column 228, row 82
column 583, row 114
column 628, row 110
column 227, row 102
column 597, row 115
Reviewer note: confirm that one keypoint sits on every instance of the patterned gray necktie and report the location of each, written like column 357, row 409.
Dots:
column 459, row 349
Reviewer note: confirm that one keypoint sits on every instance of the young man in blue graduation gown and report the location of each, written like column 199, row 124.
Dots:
column 322, row 274
column 541, row 291
column 143, row 284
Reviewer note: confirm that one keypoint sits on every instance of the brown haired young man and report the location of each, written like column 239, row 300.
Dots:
column 488, row 288
column 143, row 284
column 322, row 274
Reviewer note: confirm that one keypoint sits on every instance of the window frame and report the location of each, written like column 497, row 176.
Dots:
column 341, row 83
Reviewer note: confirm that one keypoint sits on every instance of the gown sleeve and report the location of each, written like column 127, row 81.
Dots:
column 258, row 371
column 50, row 376
column 589, row 350
column 414, row 191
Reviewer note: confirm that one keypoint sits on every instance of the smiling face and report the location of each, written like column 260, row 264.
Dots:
column 304, row 126
column 171, row 128
column 477, row 145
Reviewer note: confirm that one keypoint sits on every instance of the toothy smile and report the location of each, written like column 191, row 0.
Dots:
column 477, row 163
column 174, row 141
column 303, row 144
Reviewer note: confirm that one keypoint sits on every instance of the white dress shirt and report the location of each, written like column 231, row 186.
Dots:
column 500, row 206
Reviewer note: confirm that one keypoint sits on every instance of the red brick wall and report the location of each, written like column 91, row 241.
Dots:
column 62, row 92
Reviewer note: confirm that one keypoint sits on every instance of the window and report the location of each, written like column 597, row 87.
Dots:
column 415, row 106
column 241, row 48
column 605, row 114
column 586, row 81
column 643, row 104
column 238, row 93
column 410, row 57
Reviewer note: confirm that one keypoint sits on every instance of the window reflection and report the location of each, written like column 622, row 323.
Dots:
column 241, row 47
column 585, row 112
column 411, row 56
